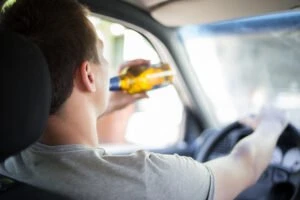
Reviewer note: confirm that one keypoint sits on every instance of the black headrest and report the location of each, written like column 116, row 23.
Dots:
column 25, row 93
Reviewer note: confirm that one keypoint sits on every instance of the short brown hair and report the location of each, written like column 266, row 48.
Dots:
column 61, row 29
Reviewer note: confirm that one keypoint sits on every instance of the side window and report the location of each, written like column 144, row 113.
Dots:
column 149, row 123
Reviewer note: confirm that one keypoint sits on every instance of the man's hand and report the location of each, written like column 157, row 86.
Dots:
column 270, row 119
column 120, row 99
column 250, row 156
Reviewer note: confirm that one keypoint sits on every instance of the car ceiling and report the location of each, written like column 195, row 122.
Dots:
column 182, row 12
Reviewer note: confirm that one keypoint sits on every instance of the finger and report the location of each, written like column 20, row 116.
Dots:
column 250, row 121
column 136, row 62
column 140, row 96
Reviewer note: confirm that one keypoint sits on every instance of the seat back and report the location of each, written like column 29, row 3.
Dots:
column 26, row 90
column 25, row 102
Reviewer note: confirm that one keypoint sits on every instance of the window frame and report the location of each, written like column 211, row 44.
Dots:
column 179, row 86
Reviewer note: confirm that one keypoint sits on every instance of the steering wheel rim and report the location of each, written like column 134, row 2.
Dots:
column 211, row 143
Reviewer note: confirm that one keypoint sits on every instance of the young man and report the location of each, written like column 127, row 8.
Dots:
column 67, row 159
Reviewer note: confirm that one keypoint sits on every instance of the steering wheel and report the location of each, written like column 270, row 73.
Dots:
column 277, row 182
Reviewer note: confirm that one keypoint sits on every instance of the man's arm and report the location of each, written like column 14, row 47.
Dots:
column 249, row 158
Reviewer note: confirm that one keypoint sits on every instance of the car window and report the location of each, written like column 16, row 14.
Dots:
column 246, row 63
column 150, row 123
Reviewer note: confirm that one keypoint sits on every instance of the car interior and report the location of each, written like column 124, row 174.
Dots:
column 230, row 58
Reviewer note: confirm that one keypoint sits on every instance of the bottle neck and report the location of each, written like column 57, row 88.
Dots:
column 114, row 84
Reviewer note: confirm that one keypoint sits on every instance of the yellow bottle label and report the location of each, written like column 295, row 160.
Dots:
column 138, row 79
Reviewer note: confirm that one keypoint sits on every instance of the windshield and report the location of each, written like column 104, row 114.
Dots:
column 244, row 64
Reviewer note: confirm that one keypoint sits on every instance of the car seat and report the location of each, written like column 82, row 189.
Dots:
column 25, row 103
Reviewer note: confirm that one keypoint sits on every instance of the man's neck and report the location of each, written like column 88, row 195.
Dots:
column 71, row 126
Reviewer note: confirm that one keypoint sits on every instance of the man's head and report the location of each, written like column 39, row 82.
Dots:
column 61, row 29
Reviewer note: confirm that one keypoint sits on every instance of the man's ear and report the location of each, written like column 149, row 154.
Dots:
column 87, row 76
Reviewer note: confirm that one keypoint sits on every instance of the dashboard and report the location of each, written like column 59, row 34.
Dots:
column 289, row 159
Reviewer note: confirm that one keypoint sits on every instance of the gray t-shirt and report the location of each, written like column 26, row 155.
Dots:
column 87, row 173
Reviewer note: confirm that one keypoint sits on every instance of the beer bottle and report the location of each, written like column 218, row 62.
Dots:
column 142, row 78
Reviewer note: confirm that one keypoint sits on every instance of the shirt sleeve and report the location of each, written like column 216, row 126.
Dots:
column 178, row 177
